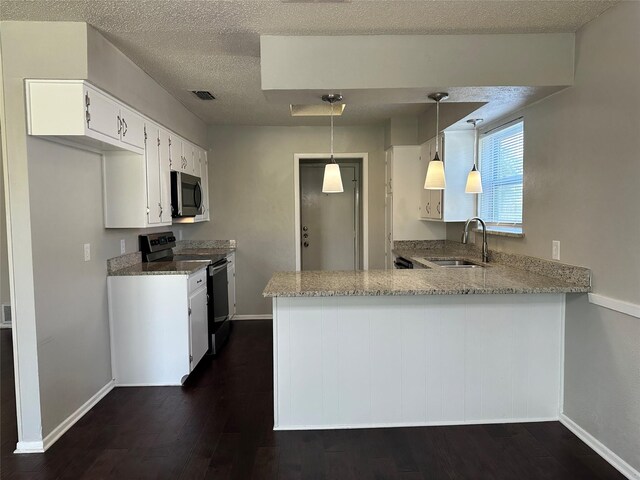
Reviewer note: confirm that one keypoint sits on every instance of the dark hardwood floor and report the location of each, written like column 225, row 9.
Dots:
column 219, row 426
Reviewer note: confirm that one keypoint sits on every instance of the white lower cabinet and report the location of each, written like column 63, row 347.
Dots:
column 158, row 325
column 231, row 281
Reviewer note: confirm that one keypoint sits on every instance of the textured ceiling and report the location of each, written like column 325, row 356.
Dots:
column 214, row 45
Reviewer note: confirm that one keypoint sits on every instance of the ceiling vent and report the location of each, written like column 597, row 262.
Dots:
column 203, row 94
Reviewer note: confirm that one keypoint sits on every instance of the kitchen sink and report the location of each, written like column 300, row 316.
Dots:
column 456, row 263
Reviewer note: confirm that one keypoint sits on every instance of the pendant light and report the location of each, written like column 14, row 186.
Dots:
column 435, row 172
column 332, row 181
column 474, row 180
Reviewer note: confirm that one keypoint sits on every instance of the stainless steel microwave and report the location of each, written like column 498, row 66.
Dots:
column 186, row 195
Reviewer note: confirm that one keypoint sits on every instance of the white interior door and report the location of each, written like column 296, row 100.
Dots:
column 328, row 221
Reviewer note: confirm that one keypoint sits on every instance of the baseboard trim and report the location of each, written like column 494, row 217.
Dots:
column 29, row 447
column 602, row 450
column 260, row 316
column 616, row 305
column 412, row 424
column 71, row 420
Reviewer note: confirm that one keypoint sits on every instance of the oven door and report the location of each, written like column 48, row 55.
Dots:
column 186, row 195
column 218, row 294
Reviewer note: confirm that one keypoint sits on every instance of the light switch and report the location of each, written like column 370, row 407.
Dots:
column 123, row 247
column 87, row 252
column 555, row 249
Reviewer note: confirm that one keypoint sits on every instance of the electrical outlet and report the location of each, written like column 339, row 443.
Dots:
column 555, row 249
column 123, row 247
column 87, row 252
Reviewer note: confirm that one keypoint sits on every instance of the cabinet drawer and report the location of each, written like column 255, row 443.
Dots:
column 197, row 280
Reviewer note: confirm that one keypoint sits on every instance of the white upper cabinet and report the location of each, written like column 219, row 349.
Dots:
column 203, row 173
column 452, row 204
column 152, row 161
column 406, row 170
column 77, row 111
column 139, row 155
column 131, row 127
column 102, row 113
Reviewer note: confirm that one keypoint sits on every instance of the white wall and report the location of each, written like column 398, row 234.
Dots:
column 252, row 197
column 110, row 69
column 582, row 168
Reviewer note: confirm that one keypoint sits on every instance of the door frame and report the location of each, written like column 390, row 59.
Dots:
column 364, row 157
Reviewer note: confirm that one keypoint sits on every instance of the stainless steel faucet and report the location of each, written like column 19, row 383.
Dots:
column 465, row 236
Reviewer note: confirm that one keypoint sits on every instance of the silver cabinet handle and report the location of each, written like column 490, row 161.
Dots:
column 119, row 124
column 160, row 205
column 438, row 208
column 428, row 207
column 124, row 127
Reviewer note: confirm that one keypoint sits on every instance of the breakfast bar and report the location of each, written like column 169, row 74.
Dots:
column 434, row 346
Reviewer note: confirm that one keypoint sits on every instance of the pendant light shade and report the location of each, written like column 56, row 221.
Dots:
column 332, row 180
column 474, row 180
column 435, row 179
column 435, row 175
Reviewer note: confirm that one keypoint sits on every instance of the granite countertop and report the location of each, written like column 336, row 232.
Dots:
column 132, row 264
column 162, row 268
column 494, row 278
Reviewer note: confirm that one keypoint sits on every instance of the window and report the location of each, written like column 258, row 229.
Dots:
column 501, row 165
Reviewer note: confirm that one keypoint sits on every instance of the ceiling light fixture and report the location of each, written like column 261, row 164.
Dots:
column 435, row 171
column 474, row 180
column 332, row 181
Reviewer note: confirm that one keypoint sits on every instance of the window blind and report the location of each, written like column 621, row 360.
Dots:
column 501, row 166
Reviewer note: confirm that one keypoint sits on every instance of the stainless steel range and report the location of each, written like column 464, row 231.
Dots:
column 158, row 247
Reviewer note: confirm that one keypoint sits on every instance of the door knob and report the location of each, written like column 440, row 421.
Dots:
column 306, row 244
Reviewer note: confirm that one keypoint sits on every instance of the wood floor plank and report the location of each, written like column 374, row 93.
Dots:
column 219, row 425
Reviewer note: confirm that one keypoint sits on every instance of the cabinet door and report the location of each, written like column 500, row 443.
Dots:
column 436, row 198
column 152, row 159
column 104, row 114
column 176, row 162
column 187, row 158
column 425, row 195
column 389, row 171
column 132, row 127
column 204, row 182
column 165, row 176
column 388, row 229
column 197, row 162
column 231, row 279
column 198, row 328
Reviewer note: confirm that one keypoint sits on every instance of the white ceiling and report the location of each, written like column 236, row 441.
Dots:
column 214, row 45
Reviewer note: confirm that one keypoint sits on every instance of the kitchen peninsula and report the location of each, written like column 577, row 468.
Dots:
column 431, row 346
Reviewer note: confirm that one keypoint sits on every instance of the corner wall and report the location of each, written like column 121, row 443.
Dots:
column 54, row 199
column 252, row 197
column 582, row 169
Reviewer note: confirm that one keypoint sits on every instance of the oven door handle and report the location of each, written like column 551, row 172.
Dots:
column 213, row 271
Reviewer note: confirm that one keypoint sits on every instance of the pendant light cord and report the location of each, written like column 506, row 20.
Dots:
column 332, row 159
column 437, row 125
